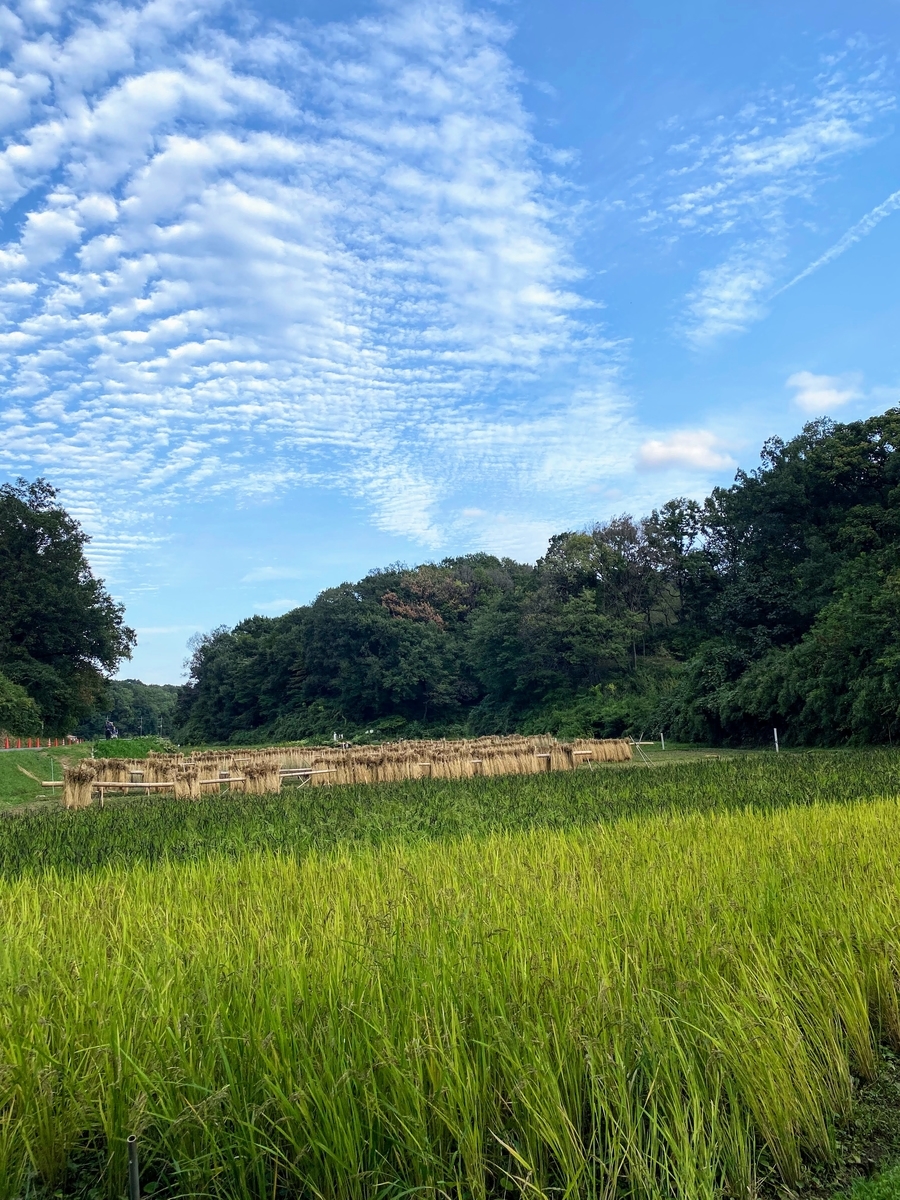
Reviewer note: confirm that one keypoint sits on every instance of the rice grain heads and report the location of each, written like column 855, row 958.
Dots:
column 640, row 1009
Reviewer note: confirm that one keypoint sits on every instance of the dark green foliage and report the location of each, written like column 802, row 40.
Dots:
column 60, row 630
column 300, row 820
column 138, row 747
column 475, row 644
column 806, row 552
column 774, row 603
column 19, row 715
column 136, row 709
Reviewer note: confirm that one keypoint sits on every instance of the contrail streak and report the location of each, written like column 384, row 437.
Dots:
column 854, row 234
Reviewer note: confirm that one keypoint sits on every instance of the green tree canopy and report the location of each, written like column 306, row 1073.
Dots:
column 61, row 633
column 776, row 601
column 19, row 715
column 136, row 709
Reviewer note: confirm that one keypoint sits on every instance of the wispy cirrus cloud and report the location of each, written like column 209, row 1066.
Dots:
column 266, row 574
column 741, row 181
column 165, row 630
column 243, row 256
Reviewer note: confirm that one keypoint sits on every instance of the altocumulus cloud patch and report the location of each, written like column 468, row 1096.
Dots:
column 239, row 256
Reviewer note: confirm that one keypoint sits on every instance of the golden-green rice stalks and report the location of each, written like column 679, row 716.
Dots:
column 637, row 1009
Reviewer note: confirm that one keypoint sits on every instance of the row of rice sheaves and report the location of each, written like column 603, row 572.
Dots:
column 260, row 770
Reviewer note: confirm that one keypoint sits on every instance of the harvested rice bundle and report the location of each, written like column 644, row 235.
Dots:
column 78, row 779
column 495, row 755
column 116, row 770
column 261, row 778
column 604, row 750
column 159, row 767
column 187, row 781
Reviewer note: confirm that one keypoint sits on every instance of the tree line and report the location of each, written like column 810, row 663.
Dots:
column 774, row 602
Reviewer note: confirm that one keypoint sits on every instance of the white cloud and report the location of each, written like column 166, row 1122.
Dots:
column 252, row 259
column 694, row 449
column 517, row 535
column 743, row 168
column 740, row 180
column 822, row 394
column 728, row 298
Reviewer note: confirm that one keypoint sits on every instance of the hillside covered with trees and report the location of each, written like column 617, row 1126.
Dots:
column 774, row 602
column 136, row 709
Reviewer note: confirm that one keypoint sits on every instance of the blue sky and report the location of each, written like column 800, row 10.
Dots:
column 291, row 291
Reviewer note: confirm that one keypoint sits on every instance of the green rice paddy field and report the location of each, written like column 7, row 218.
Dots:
column 672, row 982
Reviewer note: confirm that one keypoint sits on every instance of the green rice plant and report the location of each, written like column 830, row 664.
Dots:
column 300, row 819
column 673, row 1005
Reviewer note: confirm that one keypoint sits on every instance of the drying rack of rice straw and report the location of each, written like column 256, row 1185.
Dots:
column 261, row 771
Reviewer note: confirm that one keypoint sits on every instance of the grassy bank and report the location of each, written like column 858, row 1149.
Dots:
column 300, row 820
column 17, row 787
column 672, row 1005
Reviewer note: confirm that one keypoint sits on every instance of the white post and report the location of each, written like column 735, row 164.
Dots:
column 662, row 738
column 775, row 731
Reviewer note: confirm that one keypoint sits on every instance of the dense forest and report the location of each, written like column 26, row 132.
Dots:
column 775, row 602
column 136, row 709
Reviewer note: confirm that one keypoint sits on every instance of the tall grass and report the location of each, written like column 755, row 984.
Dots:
column 666, row 1006
column 148, row 829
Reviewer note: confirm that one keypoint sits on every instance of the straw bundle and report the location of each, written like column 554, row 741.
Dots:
column 78, row 779
column 117, row 770
column 516, row 755
column 607, row 750
column 389, row 763
column 159, row 768
column 260, row 779
column 187, row 782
